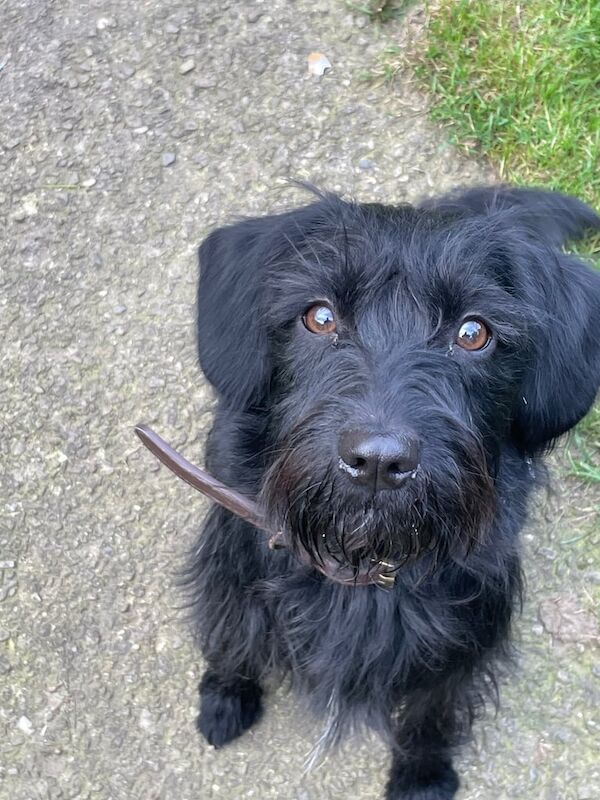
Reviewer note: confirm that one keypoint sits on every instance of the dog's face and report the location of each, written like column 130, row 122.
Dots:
column 399, row 355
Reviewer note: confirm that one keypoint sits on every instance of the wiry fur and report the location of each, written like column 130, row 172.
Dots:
column 415, row 662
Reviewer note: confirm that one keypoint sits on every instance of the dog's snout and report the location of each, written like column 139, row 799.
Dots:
column 378, row 460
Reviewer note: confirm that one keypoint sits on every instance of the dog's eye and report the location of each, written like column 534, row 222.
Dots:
column 473, row 335
column 319, row 319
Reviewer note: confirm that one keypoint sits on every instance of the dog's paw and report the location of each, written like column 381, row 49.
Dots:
column 442, row 785
column 428, row 793
column 227, row 709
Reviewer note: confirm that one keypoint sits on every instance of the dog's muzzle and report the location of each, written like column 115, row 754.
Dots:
column 379, row 573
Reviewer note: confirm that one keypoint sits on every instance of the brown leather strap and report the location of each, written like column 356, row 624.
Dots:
column 243, row 506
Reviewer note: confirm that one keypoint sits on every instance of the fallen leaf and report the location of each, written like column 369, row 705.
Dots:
column 564, row 618
column 318, row 64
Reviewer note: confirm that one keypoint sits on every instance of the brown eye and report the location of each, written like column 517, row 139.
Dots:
column 473, row 335
column 319, row 319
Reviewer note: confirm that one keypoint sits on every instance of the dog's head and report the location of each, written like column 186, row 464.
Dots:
column 400, row 355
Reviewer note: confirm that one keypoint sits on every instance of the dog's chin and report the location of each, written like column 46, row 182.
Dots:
column 337, row 532
column 357, row 533
column 363, row 538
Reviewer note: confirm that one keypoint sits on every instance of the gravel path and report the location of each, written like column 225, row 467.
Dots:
column 127, row 131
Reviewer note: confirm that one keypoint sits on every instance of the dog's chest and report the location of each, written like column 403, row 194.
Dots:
column 363, row 640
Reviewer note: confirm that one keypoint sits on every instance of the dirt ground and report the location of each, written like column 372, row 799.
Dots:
column 128, row 130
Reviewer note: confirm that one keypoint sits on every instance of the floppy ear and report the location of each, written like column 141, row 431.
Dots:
column 551, row 217
column 563, row 377
column 232, row 341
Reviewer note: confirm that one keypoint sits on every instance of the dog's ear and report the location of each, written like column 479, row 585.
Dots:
column 563, row 377
column 232, row 340
column 551, row 217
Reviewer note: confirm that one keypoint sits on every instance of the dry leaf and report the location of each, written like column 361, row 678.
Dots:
column 318, row 64
column 564, row 618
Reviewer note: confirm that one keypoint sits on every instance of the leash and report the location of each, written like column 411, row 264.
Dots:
column 248, row 510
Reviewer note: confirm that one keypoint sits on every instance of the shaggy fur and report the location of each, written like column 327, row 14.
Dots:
column 416, row 661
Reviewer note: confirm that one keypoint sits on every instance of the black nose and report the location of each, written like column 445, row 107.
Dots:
column 378, row 460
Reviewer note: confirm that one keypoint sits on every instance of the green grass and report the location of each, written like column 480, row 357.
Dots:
column 583, row 453
column 519, row 83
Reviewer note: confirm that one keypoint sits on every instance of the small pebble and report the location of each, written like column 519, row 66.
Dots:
column 168, row 159
column 537, row 629
column 548, row 553
column 24, row 724
column 186, row 66
column 258, row 65
column 205, row 83
column 106, row 22
column 146, row 720
column 366, row 163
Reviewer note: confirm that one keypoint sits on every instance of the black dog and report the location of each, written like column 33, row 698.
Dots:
column 387, row 378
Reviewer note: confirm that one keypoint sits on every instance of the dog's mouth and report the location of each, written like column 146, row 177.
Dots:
column 358, row 548
column 358, row 570
column 353, row 540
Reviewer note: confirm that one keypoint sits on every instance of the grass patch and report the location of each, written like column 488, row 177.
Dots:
column 583, row 453
column 520, row 84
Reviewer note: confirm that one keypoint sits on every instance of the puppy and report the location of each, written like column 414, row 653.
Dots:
column 387, row 379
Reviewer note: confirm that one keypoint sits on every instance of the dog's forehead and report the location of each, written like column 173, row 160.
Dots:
column 378, row 256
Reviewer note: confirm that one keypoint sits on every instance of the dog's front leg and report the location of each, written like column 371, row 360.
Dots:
column 228, row 706
column 232, row 626
column 426, row 734
column 424, row 774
